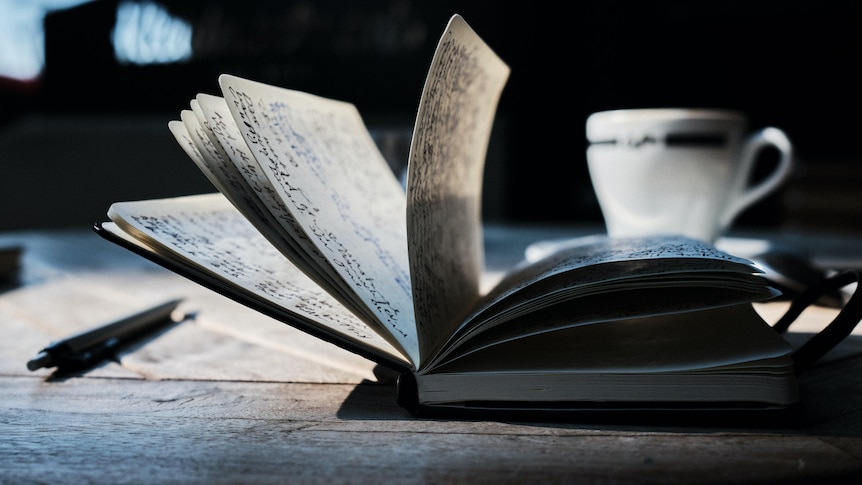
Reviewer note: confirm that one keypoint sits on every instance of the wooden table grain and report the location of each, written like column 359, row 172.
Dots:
column 234, row 397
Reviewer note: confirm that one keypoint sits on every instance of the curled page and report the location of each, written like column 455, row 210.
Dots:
column 444, row 181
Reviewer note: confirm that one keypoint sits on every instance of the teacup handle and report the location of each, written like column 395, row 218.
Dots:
column 742, row 195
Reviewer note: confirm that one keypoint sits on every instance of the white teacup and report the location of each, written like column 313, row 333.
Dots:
column 678, row 171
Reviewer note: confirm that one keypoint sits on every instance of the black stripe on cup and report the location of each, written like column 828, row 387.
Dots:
column 678, row 140
column 696, row 139
column 640, row 141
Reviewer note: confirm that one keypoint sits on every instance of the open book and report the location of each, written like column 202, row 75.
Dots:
column 311, row 226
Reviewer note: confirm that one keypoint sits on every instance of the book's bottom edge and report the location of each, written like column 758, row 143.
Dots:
column 713, row 413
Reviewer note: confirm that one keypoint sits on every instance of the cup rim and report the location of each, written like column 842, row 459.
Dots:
column 625, row 115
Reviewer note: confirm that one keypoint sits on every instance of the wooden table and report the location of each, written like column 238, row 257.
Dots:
column 234, row 397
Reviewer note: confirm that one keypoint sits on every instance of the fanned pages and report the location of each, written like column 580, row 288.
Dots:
column 206, row 233
column 336, row 183
column 216, row 116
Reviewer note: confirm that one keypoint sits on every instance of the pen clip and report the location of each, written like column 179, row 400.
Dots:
column 75, row 361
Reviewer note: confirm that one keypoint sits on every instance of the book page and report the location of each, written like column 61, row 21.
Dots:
column 600, row 279
column 328, row 172
column 212, row 159
column 584, row 261
column 239, row 162
column 213, row 162
column 716, row 339
column 207, row 232
column 444, row 182
column 184, row 138
column 234, row 180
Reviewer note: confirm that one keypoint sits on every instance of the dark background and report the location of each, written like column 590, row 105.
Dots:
column 90, row 131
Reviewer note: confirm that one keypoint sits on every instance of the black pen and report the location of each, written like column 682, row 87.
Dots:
column 85, row 349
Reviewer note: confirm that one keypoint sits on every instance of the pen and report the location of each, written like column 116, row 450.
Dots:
column 90, row 347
